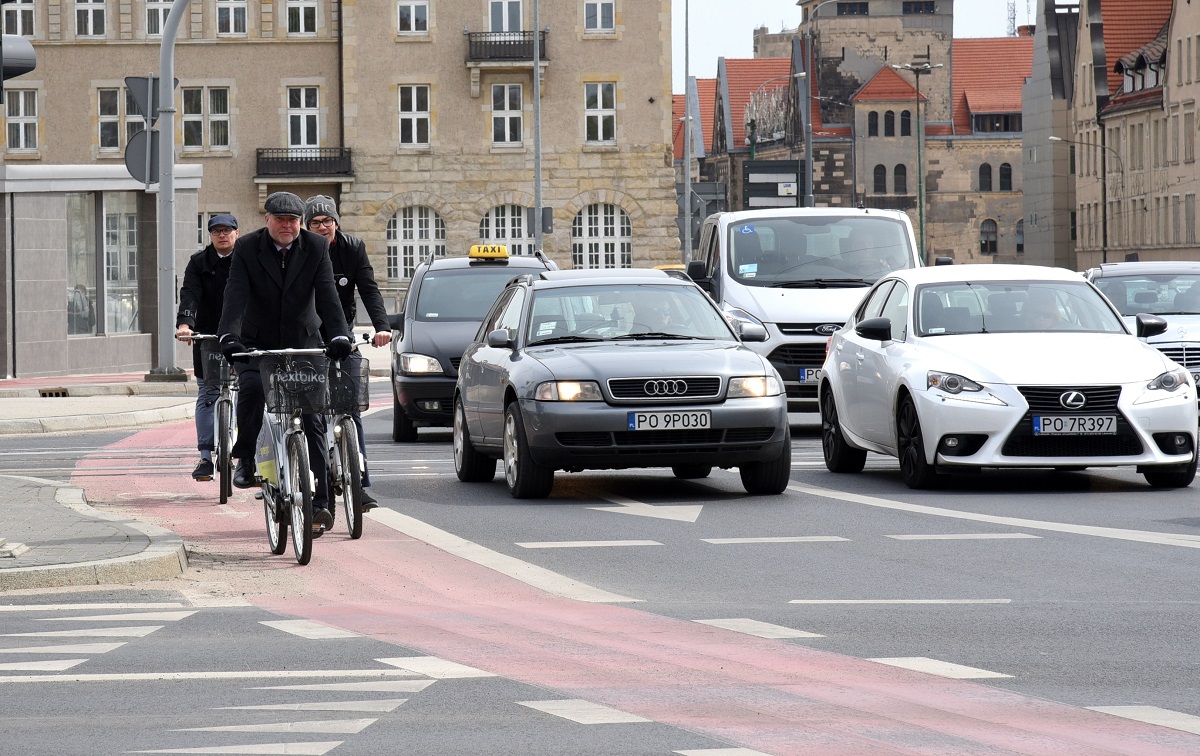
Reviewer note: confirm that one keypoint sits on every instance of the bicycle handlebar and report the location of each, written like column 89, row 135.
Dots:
column 265, row 352
column 197, row 337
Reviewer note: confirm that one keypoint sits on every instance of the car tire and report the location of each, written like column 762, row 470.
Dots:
column 910, row 448
column 469, row 464
column 403, row 430
column 1171, row 476
column 840, row 456
column 525, row 478
column 691, row 472
column 769, row 478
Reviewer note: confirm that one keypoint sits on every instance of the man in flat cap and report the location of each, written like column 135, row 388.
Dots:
column 280, row 295
column 200, row 300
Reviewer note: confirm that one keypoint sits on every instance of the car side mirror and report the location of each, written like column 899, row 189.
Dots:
column 943, row 260
column 499, row 339
column 752, row 332
column 396, row 321
column 1149, row 325
column 875, row 329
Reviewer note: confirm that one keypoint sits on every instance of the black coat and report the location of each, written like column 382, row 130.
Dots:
column 201, row 296
column 352, row 269
column 273, row 308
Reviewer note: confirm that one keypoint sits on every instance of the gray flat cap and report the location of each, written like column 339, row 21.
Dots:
column 284, row 203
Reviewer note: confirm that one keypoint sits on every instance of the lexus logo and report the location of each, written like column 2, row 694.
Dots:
column 665, row 388
column 1072, row 400
column 827, row 329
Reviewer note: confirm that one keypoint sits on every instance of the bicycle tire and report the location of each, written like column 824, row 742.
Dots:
column 224, row 446
column 351, row 469
column 276, row 525
column 301, row 497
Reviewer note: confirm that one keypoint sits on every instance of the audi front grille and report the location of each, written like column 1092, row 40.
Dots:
column 665, row 389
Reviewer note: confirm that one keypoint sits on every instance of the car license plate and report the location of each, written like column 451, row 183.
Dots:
column 669, row 420
column 1074, row 425
column 810, row 375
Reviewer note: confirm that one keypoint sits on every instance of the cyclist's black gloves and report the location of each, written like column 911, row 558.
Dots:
column 338, row 349
column 231, row 346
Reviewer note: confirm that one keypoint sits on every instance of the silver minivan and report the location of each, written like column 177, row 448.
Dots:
column 799, row 273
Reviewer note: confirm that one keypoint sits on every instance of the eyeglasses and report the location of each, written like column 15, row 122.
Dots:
column 220, row 231
column 327, row 223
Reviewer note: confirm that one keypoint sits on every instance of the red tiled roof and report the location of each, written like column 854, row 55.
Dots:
column 988, row 76
column 1128, row 25
column 742, row 77
column 677, row 125
column 886, row 86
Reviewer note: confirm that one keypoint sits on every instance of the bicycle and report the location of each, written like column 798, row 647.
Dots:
column 224, row 415
column 349, row 384
column 296, row 383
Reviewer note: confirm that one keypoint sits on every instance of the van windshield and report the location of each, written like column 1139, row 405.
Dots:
column 817, row 252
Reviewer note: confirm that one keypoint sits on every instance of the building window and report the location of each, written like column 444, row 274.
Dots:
column 1189, row 137
column 600, row 112
column 505, row 224
column 102, row 300
column 985, row 177
column 601, row 237
column 881, row 179
column 599, row 16
column 1189, row 218
column 119, row 118
column 921, row 6
column 505, row 15
column 412, row 16
column 21, row 107
column 853, row 9
column 1074, row 226
column 120, row 262
column 1006, row 177
column 987, row 237
column 900, row 179
column 302, row 16
column 1020, row 235
column 231, row 18
column 81, row 264
column 872, row 124
column 1002, row 122
column 413, row 234
column 197, row 121
column 414, row 115
column 506, row 114
column 889, row 124
column 303, row 113
column 89, row 18
column 156, row 16
column 905, row 123
column 18, row 18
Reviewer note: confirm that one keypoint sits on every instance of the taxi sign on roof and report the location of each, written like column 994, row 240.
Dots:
column 488, row 252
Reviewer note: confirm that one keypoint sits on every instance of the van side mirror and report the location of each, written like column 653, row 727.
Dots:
column 499, row 339
column 875, row 329
column 695, row 270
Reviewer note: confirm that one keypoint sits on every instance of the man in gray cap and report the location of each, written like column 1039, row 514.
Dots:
column 351, row 270
column 281, row 295
column 200, row 300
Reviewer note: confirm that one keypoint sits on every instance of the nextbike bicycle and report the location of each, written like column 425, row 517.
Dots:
column 349, row 383
column 224, row 410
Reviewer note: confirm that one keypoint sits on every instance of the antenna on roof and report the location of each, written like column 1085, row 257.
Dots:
column 1012, row 18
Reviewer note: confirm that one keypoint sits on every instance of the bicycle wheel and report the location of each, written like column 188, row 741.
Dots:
column 276, row 521
column 224, row 444
column 351, row 466
column 299, row 496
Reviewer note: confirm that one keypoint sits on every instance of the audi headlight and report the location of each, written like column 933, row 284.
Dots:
column 737, row 315
column 1170, row 380
column 569, row 391
column 753, row 386
column 960, row 387
column 419, row 363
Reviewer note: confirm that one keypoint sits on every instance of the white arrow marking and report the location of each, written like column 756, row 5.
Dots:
column 384, row 686
column 331, row 726
column 75, row 648
column 266, row 749
column 93, row 632
column 383, row 704
column 57, row 665
column 680, row 512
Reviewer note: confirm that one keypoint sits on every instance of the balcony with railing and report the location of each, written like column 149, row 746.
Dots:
column 295, row 162
column 503, row 51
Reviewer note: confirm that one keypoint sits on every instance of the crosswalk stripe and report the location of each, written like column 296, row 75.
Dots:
column 81, row 607
column 328, row 726
column 309, row 629
column 583, row 544
column 383, row 686
column 57, row 665
column 1155, row 716
column 75, row 648
column 264, row 749
column 583, row 712
column 939, row 668
column 961, row 536
column 432, row 666
column 900, row 601
column 722, row 752
column 141, row 616
column 91, row 632
column 756, row 628
column 383, row 704
column 775, row 539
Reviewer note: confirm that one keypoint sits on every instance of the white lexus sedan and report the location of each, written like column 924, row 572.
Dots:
column 973, row 366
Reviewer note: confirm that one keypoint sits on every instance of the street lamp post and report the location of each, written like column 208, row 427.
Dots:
column 917, row 69
column 809, row 200
column 687, row 143
column 1103, row 188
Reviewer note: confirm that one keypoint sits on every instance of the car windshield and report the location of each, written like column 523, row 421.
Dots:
column 1154, row 293
column 817, row 252
column 600, row 312
column 461, row 294
column 1013, row 307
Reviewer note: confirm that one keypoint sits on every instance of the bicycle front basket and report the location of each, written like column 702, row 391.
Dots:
column 215, row 366
column 349, row 386
column 296, row 383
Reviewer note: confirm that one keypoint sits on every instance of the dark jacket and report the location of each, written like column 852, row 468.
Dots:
column 270, row 307
column 201, row 296
column 351, row 269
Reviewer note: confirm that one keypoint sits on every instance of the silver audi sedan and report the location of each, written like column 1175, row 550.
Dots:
column 578, row 370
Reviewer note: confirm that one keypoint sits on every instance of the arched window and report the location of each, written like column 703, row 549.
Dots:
column 900, row 179
column 505, row 224
column 985, row 177
column 905, row 123
column 601, row 237
column 1020, row 234
column 413, row 233
column 881, row 179
column 1005, row 177
column 987, row 237
column 889, row 124
column 872, row 124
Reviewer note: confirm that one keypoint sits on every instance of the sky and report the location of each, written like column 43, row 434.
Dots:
column 725, row 28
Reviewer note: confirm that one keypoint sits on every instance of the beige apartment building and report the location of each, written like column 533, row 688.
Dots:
column 417, row 115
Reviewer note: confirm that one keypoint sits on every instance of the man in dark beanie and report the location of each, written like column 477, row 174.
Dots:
column 351, row 270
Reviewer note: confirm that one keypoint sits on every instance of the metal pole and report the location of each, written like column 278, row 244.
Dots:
column 920, row 166
column 686, row 253
column 806, row 114
column 537, row 128
column 1103, row 198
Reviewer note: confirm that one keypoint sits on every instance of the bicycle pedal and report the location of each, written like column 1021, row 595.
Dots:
column 258, row 495
column 318, row 531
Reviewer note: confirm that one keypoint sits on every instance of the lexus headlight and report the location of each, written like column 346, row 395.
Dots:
column 1170, row 380
column 737, row 315
column 753, row 386
column 961, row 388
column 569, row 391
column 419, row 363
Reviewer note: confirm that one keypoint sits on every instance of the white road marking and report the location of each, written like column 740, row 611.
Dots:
column 1155, row 716
column 309, row 629
column 722, row 752
column 239, row 675
column 56, row 665
column 229, row 511
column 900, row 601
column 939, row 668
column 1143, row 536
column 432, row 666
column 583, row 712
column 80, row 607
column 543, row 579
column 152, row 616
column 583, row 544
column 382, row 705
column 961, row 536
column 91, row 632
column 679, row 512
column 760, row 629
column 73, row 648
column 264, row 749
column 775, row 539
column 326, row 726
column 384, row 686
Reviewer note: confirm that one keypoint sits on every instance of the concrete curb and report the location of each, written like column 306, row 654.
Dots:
column 172, row 388
column 69, row 423
column 164, row 557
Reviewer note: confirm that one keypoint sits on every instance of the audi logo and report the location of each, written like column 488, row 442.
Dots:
column 665, row 388
column 1072, row 400
column 827, row 329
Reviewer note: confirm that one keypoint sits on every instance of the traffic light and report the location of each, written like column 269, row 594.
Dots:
column 17, row 57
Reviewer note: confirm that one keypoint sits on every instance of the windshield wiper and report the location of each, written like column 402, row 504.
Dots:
column 564, row 340
column 822, row 283
column 654, row 335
